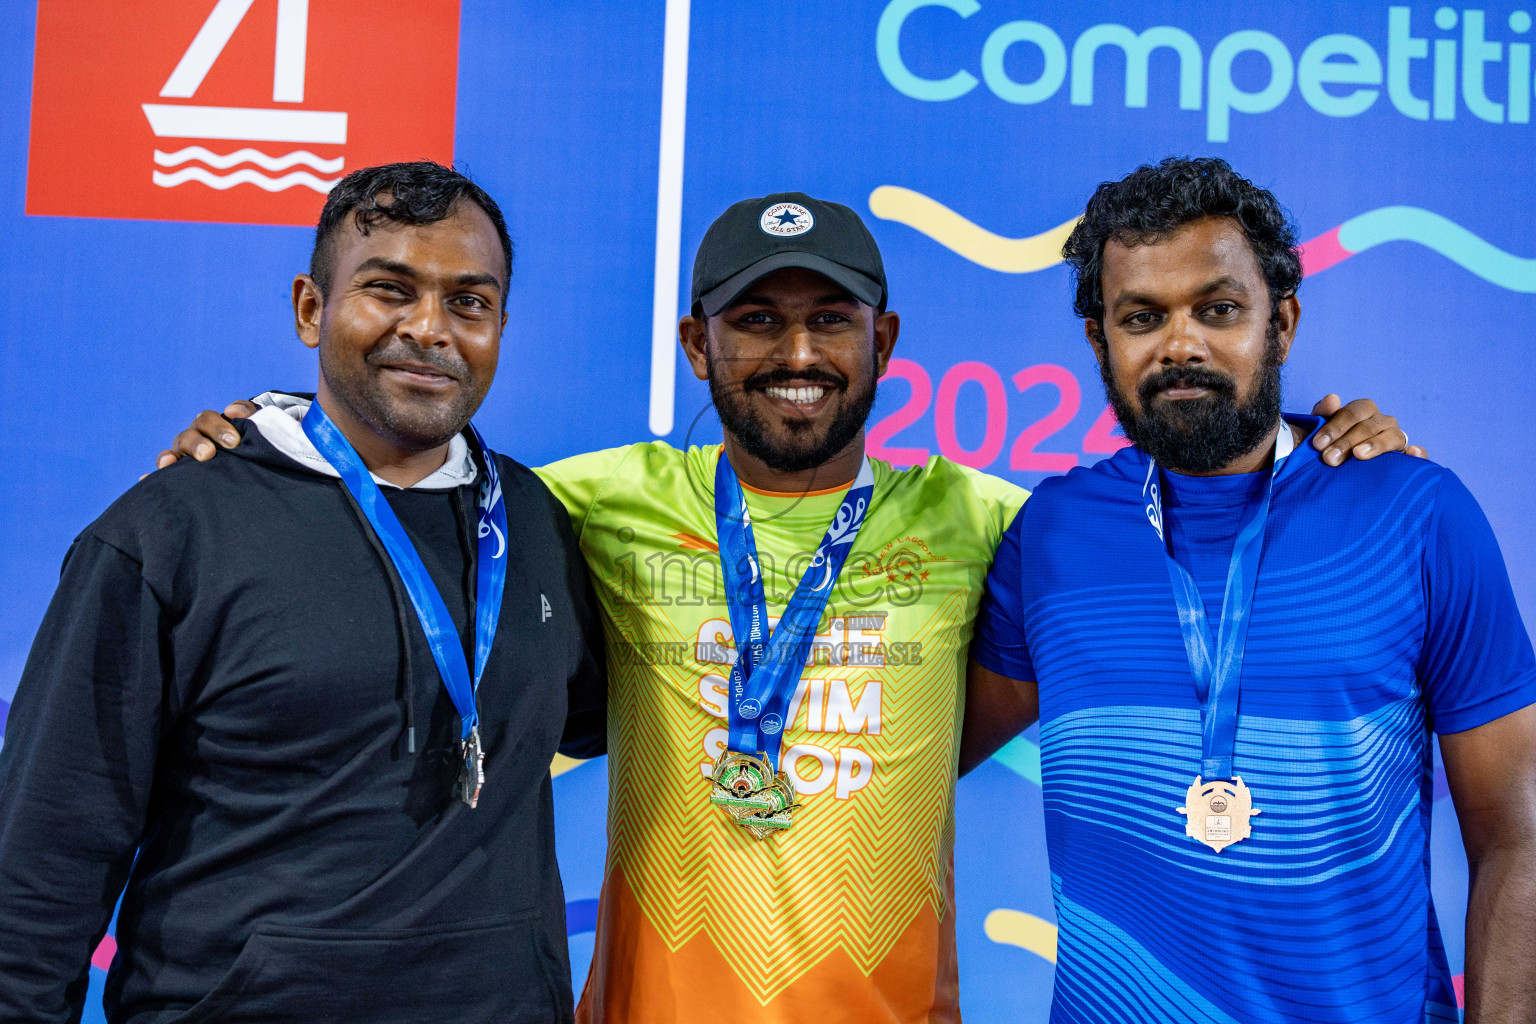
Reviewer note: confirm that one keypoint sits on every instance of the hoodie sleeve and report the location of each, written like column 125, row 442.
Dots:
column 75, row 771
column 586, row 721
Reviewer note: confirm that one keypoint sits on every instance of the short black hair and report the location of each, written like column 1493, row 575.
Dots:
column 415, row 192
column 1153, row 201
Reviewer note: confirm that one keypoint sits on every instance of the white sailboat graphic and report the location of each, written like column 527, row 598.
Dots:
column 246, row 124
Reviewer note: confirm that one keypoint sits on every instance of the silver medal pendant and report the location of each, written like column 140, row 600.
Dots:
column 472, row 770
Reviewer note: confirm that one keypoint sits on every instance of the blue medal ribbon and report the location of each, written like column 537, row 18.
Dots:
column 490, row 569
column 1218, row 676
column 768, row 667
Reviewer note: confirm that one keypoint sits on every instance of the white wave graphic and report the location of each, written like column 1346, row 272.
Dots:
column 252, row 156
column 245, row 176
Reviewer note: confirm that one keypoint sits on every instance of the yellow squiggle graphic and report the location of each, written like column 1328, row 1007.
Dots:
column 1016, row 928
column 1364, row 231
column 970, row 240
column 563, row 764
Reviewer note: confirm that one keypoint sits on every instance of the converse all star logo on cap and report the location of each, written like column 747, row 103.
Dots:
column 786, row 219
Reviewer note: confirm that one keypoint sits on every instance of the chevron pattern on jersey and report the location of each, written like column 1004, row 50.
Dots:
column 857, row 868
column 851, row 874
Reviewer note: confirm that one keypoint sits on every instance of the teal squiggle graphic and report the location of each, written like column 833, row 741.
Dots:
column 1387, row 224
column 1022, row 756
column 1444, row 236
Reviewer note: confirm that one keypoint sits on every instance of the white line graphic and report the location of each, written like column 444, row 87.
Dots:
column 669, row 216
column 249, row 156
column 254, row 124
column 290, row 52
column 245, row 176
column 292, row 47
column 206, row 47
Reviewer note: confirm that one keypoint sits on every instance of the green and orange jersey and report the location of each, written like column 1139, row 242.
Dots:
column 848, row 915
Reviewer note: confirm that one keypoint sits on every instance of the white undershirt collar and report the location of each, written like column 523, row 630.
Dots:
column 280, row 420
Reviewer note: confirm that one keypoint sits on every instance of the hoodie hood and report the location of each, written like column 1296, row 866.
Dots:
column 280, row 422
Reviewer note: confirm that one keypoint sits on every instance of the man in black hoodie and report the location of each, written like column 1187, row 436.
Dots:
column 273, row 703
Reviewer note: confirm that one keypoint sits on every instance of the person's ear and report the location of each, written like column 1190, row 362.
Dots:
column 308, row 305
column 693, row 335
column 1098, row 343
column 1288, row 315
column 887, row 327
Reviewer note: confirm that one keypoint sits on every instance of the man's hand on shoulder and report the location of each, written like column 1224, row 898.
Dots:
column 1358, row 429
column 208, row 429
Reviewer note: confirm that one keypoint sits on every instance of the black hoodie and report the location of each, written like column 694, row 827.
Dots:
column 215, row 713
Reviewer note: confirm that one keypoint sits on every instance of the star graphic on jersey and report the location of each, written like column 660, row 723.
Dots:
column 788, row 219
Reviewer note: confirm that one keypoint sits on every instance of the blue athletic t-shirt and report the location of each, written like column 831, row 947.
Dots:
column 1382, row 610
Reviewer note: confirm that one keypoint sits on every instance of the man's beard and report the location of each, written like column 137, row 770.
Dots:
column 803, row 449
column 415, row 426
column 1200, row 435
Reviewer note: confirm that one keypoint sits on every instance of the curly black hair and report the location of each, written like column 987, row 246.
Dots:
column 415, row 192
column 1154, row 200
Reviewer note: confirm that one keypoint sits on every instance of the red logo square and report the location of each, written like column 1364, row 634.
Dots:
column 243, row 111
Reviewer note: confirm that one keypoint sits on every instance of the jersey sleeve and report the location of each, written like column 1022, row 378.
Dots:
column 999, row 643
column 1476, row 664
column 1001, row 499
column 579, row 481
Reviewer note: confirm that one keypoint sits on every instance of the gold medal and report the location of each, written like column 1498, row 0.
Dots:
column 1217, row 813
column 755, row 796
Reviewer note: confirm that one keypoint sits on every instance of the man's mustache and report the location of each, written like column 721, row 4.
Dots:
column 785, row 376
column 404, row 352
column 1185, row 377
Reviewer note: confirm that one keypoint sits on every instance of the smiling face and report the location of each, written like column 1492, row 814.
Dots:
column 1189, row 349
column 792, row 366
column 410, row 331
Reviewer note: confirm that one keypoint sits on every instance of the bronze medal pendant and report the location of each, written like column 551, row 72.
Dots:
column 755, row 796
column 1218, row 813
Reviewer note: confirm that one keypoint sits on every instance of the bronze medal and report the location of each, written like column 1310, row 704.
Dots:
column 1217, row 813
column 752, row 794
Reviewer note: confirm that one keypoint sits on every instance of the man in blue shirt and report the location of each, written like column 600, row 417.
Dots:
column 1237, row 656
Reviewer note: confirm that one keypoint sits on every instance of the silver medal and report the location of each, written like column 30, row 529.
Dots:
column 472, row 772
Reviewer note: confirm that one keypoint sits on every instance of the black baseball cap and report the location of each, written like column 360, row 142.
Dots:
column 755, row 237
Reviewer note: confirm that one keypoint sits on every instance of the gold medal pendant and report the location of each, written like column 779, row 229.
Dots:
column 1218, row 812
column 755, row 796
